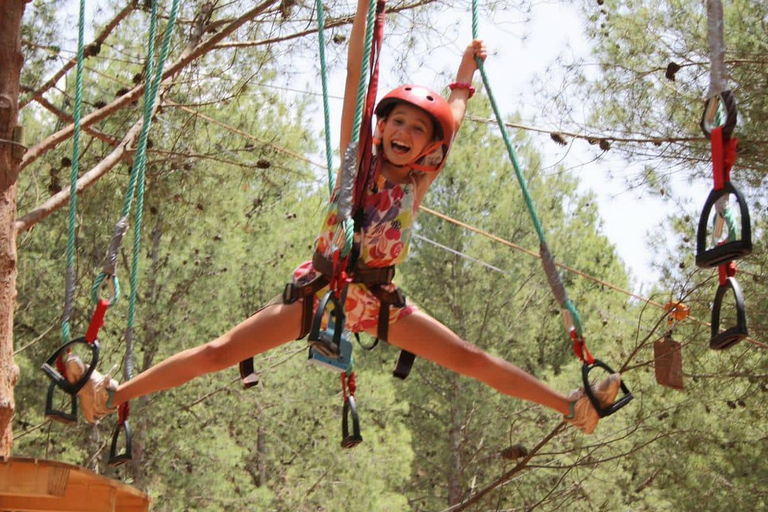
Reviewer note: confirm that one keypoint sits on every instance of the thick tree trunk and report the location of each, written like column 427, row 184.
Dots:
column 10, row 156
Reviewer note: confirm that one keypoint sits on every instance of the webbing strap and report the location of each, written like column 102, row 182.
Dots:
column 717, row 74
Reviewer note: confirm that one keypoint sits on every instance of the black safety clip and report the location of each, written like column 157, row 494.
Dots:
column 50, row 366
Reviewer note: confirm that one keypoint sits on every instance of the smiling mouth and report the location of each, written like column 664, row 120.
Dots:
column 399, row 148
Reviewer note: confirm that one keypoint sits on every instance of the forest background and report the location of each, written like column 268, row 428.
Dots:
column 235, row 189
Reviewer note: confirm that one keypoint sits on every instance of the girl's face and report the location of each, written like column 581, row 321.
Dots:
column 405, row 132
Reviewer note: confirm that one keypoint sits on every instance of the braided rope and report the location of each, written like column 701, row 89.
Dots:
column 69, row 289
column 153, row 84
column 559, row 290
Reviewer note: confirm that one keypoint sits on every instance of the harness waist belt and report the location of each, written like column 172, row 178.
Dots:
column 360, row 274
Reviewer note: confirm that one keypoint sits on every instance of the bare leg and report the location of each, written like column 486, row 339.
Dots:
column 270, row 327
column 424, row 336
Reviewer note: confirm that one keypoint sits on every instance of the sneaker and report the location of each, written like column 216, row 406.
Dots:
column 96, row 395
column 583, row 415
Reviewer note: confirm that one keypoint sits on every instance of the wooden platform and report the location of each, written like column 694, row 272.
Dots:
column 44, row 485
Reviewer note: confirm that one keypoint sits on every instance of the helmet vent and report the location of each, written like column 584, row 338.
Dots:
column 430, row 98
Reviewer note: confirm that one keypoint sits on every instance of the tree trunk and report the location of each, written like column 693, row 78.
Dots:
column 10, row 156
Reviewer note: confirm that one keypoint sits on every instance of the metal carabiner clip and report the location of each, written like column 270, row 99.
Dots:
column 719, row 110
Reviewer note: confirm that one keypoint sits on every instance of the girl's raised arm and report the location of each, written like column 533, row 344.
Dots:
column 354, row 66
column 459, row 95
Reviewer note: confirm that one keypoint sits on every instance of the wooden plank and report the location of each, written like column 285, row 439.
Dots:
column 37, row 485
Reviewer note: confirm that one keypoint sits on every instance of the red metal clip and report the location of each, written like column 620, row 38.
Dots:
column 725, row 271
column 97, row 320
column 339, row 278
column 123, row 412
column 348, row 385
column 580, row 347
column 723, row 157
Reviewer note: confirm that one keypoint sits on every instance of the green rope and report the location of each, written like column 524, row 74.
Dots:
column 348, row 226
column 71, row 235
column 153, row 84
column 362, row 84
column 568, row 305
column 326, row 107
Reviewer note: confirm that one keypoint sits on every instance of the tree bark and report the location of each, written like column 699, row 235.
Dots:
column 11, row 152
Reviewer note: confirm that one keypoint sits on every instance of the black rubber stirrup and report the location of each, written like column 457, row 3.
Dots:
column 727, row 251
column 70, row 418
column 350, row 440
column 733, row 335
column 610, row 409
column 118, row 459
column 49, row 367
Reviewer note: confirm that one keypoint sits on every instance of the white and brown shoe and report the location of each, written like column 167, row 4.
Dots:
column 583, row 414
column 96, row 395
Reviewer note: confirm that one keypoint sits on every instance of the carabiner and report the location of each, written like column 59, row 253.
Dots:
column 733, row 335
column 719, row 110
column 610, row 409
column 327, row 341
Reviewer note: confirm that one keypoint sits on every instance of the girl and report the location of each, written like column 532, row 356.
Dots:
column 414, row 130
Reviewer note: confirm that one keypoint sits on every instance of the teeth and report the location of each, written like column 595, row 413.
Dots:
column 400, row 146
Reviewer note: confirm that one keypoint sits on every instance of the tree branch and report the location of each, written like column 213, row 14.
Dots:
column 91, row 50
column 189, row 55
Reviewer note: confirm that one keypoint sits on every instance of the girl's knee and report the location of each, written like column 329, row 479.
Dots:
column 471, row 360
column 212, row 356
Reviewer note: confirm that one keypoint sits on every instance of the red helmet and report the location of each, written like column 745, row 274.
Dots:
column 432, row 103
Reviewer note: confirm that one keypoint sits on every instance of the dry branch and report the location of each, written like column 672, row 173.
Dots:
column 38, row 94
column 187, row 57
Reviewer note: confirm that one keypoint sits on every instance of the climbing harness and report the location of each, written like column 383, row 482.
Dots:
column 667, row 353
column 571, row 317
column 54, row 367
column 717, row 123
